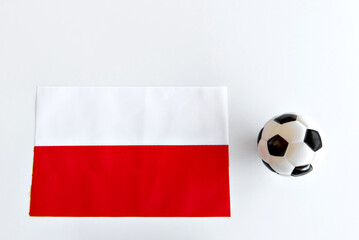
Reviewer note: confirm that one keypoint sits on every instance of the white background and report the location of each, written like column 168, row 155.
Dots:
column 274, row 56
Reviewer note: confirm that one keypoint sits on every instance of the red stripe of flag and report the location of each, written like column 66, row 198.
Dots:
column 161, row 180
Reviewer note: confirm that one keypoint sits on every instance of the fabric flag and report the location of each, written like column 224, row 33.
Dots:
column 132, row 151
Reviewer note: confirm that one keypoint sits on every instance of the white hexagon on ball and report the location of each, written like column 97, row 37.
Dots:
column 290, row 145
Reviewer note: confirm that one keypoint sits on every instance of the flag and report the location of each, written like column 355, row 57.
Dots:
column 130, row 151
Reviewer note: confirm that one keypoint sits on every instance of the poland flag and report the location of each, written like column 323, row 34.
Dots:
column 132, row 151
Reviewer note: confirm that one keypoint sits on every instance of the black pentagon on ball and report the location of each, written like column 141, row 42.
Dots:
column 284, row 118
column 268, row 166
column 259, row 136
column 313, row 140
column 277, row 146
column 301, row 170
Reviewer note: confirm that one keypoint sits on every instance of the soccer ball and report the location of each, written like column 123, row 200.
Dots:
column 290, row 145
